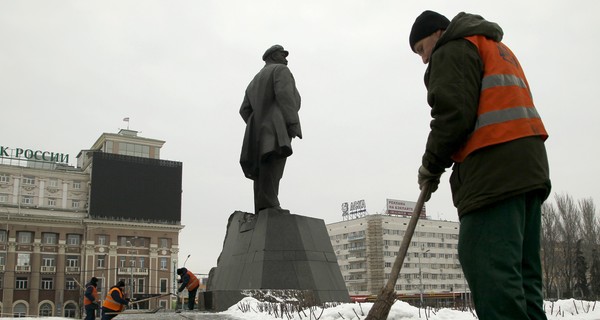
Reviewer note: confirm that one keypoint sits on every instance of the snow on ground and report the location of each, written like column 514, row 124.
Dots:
column 563, row 309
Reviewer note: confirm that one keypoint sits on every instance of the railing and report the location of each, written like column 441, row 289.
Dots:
column 23, row 269
column 356, row 248
column 135, row 271
column 48, row 269
column 356, row 237
column 72, row 270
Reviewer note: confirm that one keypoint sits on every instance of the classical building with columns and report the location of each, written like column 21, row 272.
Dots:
column 113, row 216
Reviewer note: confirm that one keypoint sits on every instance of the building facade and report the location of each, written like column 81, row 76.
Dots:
column 50, row 244
column 366, row 248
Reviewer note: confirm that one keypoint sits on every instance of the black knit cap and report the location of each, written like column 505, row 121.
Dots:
column 426, row 24
column 94, row 280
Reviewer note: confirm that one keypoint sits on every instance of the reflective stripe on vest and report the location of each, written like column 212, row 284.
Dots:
column 110, row 303
column 193, row 283
column 87, row 301
column 506, row 111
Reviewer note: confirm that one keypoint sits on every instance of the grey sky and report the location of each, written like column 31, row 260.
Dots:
column 70, row 70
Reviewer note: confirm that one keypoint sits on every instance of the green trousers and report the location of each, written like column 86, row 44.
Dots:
column 499, row 250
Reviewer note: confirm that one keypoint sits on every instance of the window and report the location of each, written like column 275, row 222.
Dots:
column 2, row 259
column 102, row 240
column 76, row 184
column 72, row 261
column 163, row 243
column 4, row 178
column 21, row 283
column 48, row 262
column 47, row 284
column 101, row 262
column 24, row 237
column 49, row 238
column 46, row 310
column 75, row 204
column 27, row 200
column 2, row 236
column 163, row 285
column 53, row 183
column 51, row 202
column 142, row 262
column 73, row 239
column 70, row 284
column 122, row 262
column 30, row 180
column 20, row 310
column 70, row 310
column 3, row 197
column 140, row 285
column 163, row 263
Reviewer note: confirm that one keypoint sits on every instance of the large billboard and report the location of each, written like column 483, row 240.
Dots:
column 402, row 208
column 135, row 188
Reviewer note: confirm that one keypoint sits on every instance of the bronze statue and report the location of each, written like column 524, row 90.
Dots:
column 270, row 110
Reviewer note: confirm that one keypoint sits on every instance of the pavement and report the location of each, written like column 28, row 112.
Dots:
column 185, row 315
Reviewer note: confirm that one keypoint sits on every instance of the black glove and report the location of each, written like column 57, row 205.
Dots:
column 426, row 177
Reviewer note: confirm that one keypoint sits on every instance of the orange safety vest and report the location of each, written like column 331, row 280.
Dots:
column 87, row 301
column 506, row 111
column 110, row 303
column 193, row 283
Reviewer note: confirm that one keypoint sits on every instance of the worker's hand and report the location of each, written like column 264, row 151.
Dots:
column 426, row 177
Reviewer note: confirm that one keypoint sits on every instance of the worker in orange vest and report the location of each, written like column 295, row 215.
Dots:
column 90, row 299
column 189, row 281
column 486, row 126
column 115, row 301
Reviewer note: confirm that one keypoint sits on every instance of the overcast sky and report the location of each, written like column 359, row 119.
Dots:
column 71, row 70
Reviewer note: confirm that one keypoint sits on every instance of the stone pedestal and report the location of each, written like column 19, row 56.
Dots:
column 275, row 250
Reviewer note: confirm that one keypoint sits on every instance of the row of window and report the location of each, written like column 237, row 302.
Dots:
column 26, row 237
column 409, row 287
column 50, row 202
column 48, row 283
column 30, row 180
column 72, row 261
column 46, row 310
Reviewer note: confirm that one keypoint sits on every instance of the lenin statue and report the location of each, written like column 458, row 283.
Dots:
column 270, row 110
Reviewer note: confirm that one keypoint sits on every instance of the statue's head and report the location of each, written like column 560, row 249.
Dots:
column 275, row 54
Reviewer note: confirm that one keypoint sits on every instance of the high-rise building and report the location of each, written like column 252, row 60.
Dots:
column 366, row 247
column 116, row 215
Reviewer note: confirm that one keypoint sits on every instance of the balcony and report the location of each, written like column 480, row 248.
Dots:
column 23, row 269
column 356, row 237
column 48, row 269
column 72, row 270
column 359, row 248
column 134, row 271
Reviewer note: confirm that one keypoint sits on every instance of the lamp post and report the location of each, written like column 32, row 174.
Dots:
column 132, row 262
column 421, row 274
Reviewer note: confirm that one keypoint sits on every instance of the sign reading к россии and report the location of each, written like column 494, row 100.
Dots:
column 36, row 155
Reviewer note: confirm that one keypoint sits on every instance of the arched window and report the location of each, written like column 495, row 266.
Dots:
column 20, row 310
column 70, row 310
column 46, row 310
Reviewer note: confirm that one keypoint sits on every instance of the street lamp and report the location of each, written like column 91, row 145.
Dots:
column 421, row 274
column 132, row 262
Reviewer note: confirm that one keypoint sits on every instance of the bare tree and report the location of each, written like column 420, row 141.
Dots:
column 570, row 232
column 549, row 248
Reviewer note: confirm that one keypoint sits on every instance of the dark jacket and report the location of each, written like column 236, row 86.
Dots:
column 270, row 110
column 453, row 80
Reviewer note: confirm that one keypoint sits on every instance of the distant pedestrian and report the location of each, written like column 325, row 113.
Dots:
column 485, row 126
column 90, row 299
column 190, row 281
column 115, row 301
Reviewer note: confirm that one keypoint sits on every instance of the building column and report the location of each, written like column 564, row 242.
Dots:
column 36, row 281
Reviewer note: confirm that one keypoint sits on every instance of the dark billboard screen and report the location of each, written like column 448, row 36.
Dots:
column 135, row 188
